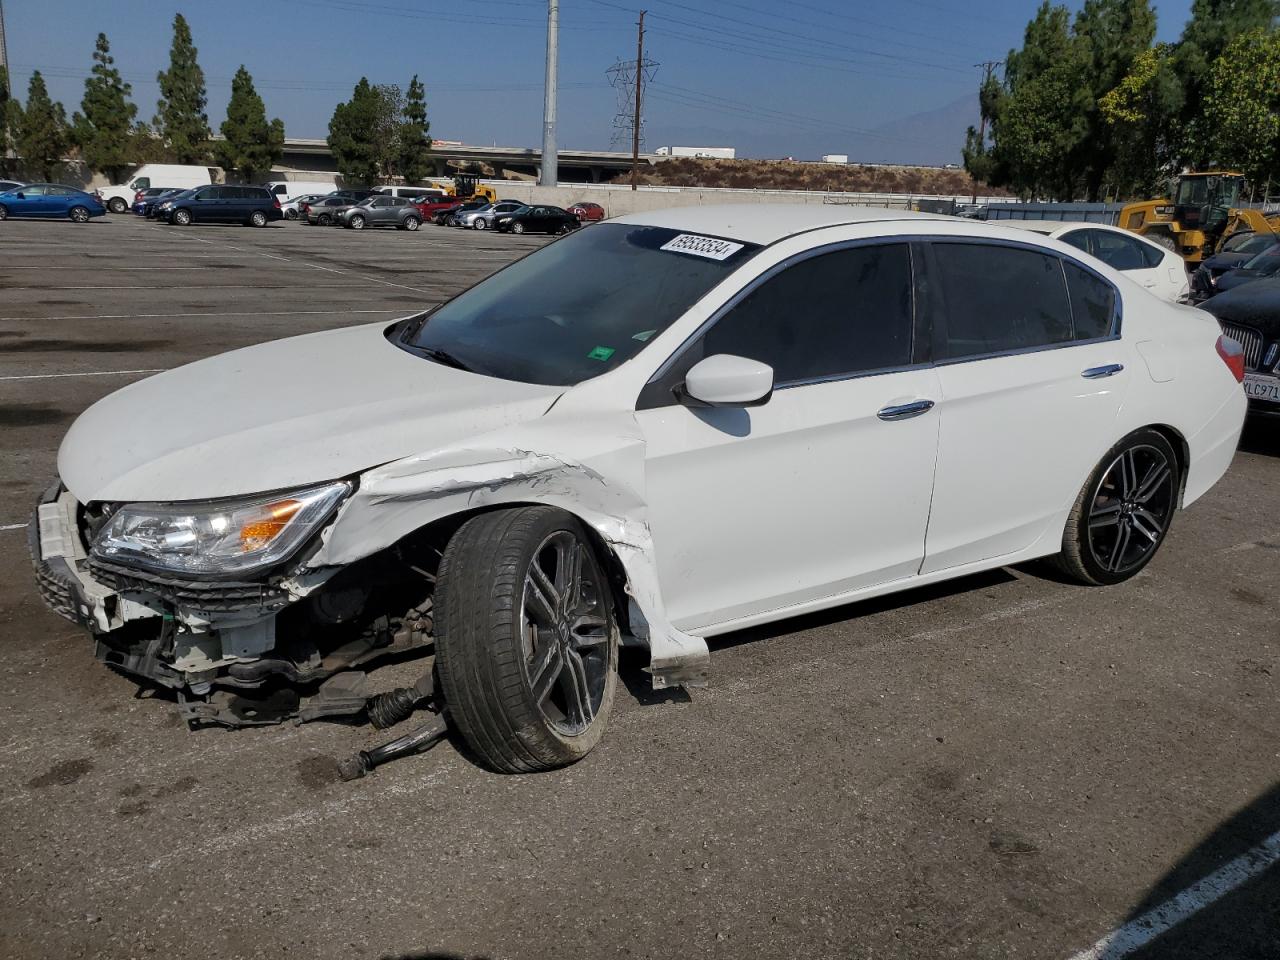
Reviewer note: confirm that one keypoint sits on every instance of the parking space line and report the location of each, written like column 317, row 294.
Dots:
column 1140, row 931
column 94, row 373
column 13, row 526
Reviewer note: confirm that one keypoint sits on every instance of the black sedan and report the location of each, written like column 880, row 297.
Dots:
column 536, row 220
column 1251, row 314
column 1266, row 264
column 1236, row 252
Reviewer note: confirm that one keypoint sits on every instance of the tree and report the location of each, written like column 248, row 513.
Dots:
column 1242, row 95
column 7, row 107
column 1140, row 112
column 1212, row 27
column 180, row 118
column 41, row 134
column 351, row 135
column 413, row 160
column 251, row 145
column 104, row 130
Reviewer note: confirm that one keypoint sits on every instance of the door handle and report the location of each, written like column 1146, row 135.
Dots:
column 1106, row 370
column 905, row 411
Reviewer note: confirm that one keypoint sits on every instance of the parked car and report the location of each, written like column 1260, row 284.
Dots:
column 286, row 191
column 1257, row 267
column 382, row 211
column 1238, row 250
column 586, row 211
column 254, row 206
column 50, row 200
column 537, row 219
column 7, row 185
column 482, row 218
column 447, row 217
column 118, row 198
column 624, row 437
column 1250, row 314
column 292, row 209
column 432, row 206
column 327, row 210
column 1157, row 268
column 144, row 197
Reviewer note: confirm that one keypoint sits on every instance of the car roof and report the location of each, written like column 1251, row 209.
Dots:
column 768, row 222
column 1050, row 227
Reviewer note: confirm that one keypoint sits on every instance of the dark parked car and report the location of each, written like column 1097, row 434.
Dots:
column 447, row 217
column 50, row 200
column 1264, row 264
column 149, row 196
column 1236, row 252
column 1251, row 314
column 326, row 211
column 256, row 206
column 587, row 211
column 383, row 211
column 537, row 220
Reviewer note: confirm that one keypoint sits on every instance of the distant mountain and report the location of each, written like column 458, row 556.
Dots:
column 931, row 137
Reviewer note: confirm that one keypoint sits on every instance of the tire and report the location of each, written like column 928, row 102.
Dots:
column 488, row 651
column 324, row 219
column 356, row 222
column 182, row 217
column 4, row 212
column 258, row 219
column 517, row 227
column 291, row 214
column 412, row 223
column 78, row 214
column 1127, row 504
column 1164, row 238
column 117, row 205
column 479, row 224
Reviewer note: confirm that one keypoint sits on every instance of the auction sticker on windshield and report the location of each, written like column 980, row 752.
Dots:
column 708, row 247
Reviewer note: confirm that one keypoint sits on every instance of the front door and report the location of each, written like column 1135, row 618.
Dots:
column 1032, row 374
column 825, row 488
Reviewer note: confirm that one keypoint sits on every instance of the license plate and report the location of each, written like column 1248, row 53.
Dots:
column 1258, row 387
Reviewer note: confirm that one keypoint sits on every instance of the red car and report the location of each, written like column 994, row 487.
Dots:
column 586, row 210
column 431, row 205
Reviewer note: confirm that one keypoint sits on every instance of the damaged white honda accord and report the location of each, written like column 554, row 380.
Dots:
column 659, row 429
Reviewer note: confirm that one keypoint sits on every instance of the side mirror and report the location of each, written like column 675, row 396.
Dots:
column 20, row 196
column 724, row 380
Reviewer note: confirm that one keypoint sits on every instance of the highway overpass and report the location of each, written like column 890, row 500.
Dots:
column 582, row 166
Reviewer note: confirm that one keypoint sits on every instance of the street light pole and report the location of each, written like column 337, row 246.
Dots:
column 635, row 120
column 549, row 173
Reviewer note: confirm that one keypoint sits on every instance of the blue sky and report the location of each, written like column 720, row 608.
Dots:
column 770, row 77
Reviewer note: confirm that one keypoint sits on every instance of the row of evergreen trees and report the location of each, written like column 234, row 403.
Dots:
column 380, row 133
column 1090, row 107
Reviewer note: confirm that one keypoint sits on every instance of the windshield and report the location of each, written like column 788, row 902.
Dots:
column 576, row 308
column 1251, row 243
column 1266, row 262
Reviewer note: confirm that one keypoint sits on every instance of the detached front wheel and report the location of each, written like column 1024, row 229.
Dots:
column 526, row 639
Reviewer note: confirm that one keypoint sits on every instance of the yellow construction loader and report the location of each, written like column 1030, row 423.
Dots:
column 1204, row 211
column 466, row 186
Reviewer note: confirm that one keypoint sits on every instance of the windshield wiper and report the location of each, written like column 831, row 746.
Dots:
column 444, row 357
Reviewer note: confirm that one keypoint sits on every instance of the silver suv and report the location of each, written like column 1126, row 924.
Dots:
column 482, row 218
column 381, row 211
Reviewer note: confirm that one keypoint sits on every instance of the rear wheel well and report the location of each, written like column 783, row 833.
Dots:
column 1179, row 444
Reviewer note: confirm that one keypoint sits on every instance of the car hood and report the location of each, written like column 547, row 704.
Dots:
column 1240, row 276
column 282, row 414
column 1226, row 261
column 1254, row 304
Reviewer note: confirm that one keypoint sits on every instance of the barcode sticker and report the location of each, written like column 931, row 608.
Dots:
column 708, row 247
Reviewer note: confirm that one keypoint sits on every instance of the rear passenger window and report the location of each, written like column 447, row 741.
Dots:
column 1000, row 299
column 1118, row 252
column 1093, row 303
column 839, row 313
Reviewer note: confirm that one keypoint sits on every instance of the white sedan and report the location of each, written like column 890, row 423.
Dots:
column 1157, row 268
column 670, row 426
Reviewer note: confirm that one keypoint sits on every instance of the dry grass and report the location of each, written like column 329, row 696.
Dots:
column 789, row 175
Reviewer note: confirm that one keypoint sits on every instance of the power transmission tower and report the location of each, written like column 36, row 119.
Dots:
column 629, row 78
column 549, row 172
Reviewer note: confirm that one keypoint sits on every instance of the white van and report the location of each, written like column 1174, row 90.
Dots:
column 409, row 193
column 118, row 199
column 286, row 190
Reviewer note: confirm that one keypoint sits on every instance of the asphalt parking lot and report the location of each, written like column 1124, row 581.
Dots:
column 1004, row 766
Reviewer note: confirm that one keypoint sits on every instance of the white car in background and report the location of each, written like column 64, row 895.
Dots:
column 667, row 427
column 1157, row 268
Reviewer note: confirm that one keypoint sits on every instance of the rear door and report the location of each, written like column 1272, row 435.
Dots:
column 1032, row 374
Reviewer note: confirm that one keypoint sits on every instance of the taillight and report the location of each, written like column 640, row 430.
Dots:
column 1232, row 355
column 306, row 208
column 275, row 202
column 137, row 197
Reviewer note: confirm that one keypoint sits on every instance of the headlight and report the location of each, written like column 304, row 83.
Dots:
column 217, row 537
